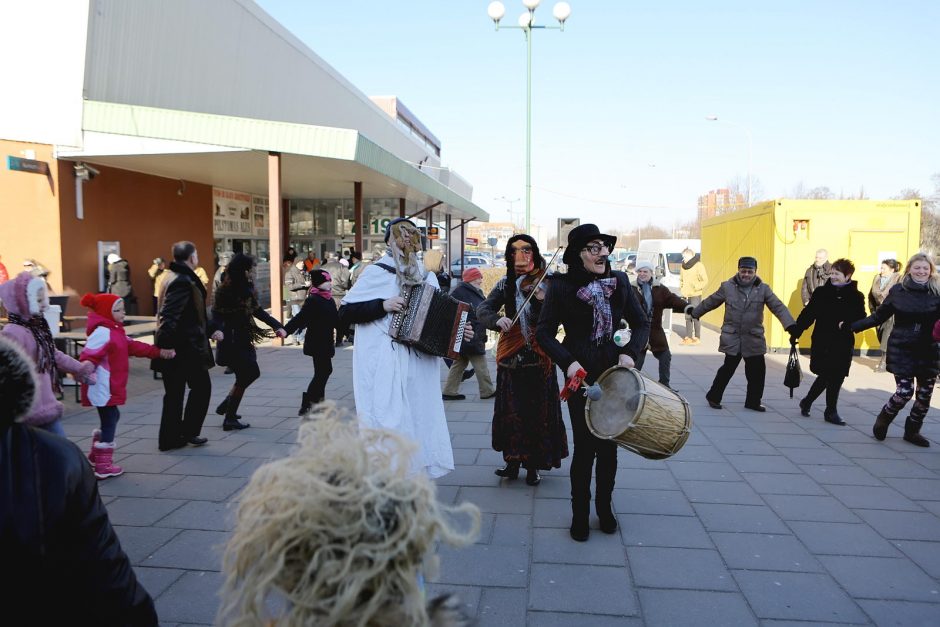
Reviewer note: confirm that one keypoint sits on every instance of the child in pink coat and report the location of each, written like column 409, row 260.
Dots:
column 26, row 298
column 108, row 347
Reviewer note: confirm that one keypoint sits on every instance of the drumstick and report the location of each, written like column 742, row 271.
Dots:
column 536, row 288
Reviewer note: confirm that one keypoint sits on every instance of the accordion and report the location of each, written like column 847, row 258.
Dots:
column 431, row 321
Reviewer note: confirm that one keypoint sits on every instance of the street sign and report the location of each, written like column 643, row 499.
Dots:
column 471, row 241
column 491, row 241
column 564, row 227
column 27, row 165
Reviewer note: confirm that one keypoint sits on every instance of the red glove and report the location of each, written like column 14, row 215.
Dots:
column 573, row 384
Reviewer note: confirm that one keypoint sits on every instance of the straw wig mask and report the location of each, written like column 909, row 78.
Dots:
column 338, row 533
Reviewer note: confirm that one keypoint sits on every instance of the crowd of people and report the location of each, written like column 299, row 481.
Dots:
column 398, row 441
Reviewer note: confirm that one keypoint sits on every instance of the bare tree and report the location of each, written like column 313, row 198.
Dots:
column 738, row 188
column 929, row 215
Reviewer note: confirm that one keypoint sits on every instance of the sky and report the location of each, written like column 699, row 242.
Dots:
column 835, row 93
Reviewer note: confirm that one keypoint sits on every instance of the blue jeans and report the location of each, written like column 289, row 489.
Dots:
column 54, row 427
column 109, row 417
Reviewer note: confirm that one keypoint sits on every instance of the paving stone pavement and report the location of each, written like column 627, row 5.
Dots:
column 761, row 519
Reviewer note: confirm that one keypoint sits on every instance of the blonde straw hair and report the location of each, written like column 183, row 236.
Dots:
column 933, row 283
column 338, row 532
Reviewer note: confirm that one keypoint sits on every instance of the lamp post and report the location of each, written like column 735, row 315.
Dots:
column 750, row 146
column 561, row 12
column 511, row 202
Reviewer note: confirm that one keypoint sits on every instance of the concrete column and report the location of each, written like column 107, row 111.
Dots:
column 401, row 207
column 276, row 235
column 361, row 226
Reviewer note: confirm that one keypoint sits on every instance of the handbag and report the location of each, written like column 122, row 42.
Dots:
column 794, row 373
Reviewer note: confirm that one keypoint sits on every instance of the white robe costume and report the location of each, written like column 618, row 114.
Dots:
column 395, row 386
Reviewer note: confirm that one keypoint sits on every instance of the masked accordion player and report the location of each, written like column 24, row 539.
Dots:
column 431, row 321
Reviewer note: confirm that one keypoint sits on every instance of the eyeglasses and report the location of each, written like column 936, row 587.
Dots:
column 595, row 249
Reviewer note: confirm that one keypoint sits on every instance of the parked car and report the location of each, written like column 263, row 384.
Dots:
column 469, row 261
column 620, row 258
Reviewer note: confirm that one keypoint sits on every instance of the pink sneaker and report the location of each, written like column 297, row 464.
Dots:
column 95, row 438
column 104, row 454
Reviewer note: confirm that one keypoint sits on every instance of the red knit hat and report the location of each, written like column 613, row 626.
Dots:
column 471, row 274
column 101, row 304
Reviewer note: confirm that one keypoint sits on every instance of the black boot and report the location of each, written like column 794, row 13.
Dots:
column 882, row 422
column 912, row 432
column 580, row 512
column 532, row 476
column 510, row 471
column 605, row 515
column 222, row 409
column 805, row 406
column 833, row 417
column 305, row 404
column 231, row 422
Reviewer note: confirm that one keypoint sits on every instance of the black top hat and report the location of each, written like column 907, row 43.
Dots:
column 579, row 236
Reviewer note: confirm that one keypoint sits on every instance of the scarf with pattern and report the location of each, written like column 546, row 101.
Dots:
column 597, row 294
column 45, row 346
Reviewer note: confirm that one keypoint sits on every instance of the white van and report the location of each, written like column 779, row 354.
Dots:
column 665, row 255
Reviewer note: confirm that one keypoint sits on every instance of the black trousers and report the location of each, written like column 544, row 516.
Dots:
column 832, row 386
column 177, row 425
column 322, row 369
column 246, row 373
column 587, row 448
column 755, row 369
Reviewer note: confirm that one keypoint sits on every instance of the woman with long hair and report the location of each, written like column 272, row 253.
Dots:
column 527, row 424
column 234, row 310
column 912, row 355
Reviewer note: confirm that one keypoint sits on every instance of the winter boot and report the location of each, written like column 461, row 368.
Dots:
column 231, row 422
column 305, row 403
column 882, row 422
column 912, row 432
column 510, row 471
column 104, row 467
column 605, row 515
column 833, row 417
column 580, row 512
column 222, row 409
column 95, row 438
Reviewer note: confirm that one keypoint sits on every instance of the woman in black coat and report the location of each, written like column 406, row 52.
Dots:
column 589, row 301
column 234, row 310
column 912, row 353
column 318, row 315
column 831, row 305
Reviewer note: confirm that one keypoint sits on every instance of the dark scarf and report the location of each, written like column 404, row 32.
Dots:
column 694, row 259
column 238, row 303
column 45, row 359
column 182, row 268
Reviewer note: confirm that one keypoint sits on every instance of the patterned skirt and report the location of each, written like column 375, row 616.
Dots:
column 527, row 423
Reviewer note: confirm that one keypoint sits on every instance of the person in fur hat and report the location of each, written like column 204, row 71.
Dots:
column 65, row 563
column 108, row 347
column 25, row 298
column 655, row 298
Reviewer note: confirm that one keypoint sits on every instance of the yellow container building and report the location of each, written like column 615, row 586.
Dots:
column 784, row 236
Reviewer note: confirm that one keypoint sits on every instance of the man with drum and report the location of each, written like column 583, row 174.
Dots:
column 395, row 386
column 742, row 333
column 590, row 300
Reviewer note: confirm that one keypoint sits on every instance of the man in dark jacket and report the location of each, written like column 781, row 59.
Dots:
column 816, row 275
column 64, row 563
column 655, row 299
column 589, row 300
column 182, row 325
column 473, row 352
column 742, row 332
